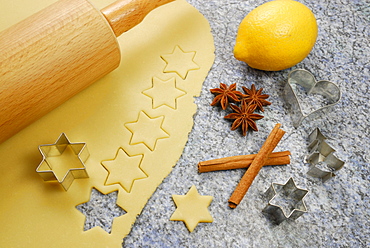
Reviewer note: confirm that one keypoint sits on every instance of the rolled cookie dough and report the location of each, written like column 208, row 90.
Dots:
column 135, row 122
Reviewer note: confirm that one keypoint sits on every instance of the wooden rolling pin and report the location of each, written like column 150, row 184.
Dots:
column 56, row 53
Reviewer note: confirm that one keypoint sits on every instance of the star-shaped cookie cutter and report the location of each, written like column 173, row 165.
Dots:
column 321, row 153
column 288, row 190
column 46, row 170
column 305, row 79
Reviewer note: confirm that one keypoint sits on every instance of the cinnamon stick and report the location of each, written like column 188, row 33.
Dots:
column 260, row 159
column 241, row 161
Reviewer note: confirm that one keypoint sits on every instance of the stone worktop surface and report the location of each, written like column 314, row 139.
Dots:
column 338, row 210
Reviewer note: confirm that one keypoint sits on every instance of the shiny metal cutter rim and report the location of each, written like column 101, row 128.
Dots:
column 321, row 152
column 45, row 170
column 275, row 212
column 311, row 86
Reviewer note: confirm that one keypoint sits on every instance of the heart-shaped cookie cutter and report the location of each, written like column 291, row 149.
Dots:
column 305, row 79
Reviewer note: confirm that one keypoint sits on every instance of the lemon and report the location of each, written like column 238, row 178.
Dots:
column 276, row 35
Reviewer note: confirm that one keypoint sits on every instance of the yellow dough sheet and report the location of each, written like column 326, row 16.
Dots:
column 135, row 123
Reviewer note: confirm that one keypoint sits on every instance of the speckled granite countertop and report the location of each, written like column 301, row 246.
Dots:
column 338, row 210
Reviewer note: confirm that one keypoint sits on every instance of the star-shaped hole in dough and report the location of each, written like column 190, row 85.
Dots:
column 100, row 210
column 63, row 161
column 164, row 92
column 124, row 170
column 147, row 130
column 180, row 62
column 192, row 208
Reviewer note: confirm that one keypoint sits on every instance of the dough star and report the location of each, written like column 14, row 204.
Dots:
column 147, row 130
column 180, row 62
column 192, row 208
column 124, row 170
column 164, row 93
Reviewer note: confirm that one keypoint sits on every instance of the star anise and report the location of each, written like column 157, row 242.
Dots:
column 252, row 96
column 224, row 94
column 244, row 117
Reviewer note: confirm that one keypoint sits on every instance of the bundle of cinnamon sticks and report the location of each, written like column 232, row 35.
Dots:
column 265, row 156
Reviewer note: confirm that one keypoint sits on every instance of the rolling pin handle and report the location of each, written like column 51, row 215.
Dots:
column 123, row 15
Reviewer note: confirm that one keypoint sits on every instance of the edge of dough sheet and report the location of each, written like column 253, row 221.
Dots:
column 105, row 116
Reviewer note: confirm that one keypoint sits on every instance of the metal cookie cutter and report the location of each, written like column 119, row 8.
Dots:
column 63, row 161
column 314, row 138
column 322, row 159
column 288, row 193
column 308, row 83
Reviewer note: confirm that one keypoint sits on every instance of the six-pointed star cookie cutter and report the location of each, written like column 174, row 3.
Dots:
column 305, row 79
column 321, row 153
column 288, row 190
column 45, row 168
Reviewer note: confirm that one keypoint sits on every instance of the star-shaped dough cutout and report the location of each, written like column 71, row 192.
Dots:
column 192, row 208
column 124, row 170
column 63, row 161
column 164, row 93
column 147, row 130
column 180, row 62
